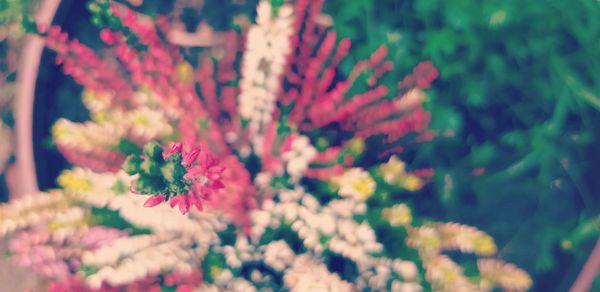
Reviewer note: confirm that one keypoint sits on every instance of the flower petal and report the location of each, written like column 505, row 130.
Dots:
column 184, row 204
column 174, row 201
column 154, row 200
column 175, row 147
column 191, row 156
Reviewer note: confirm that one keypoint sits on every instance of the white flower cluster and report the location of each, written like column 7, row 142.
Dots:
column 226, row 282
column 381, row 274
column 88, row 136
column 138, row 125
column 278, row 255
column 128, row 259
column 331, row 227
column 445, row 275
column 434, row 237
column 354, row 241
column 267, row 47
column 93, row 188
column 507, row 276
column 145, row 124
column 240, row 253
column 310, row 274
column 299, row 156
column 98, row 190
column 32, row 210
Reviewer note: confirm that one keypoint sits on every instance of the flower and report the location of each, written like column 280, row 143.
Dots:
column 309, row 274
column 397, row 215
column 267, row 47
column 176, row 175
column 355, row 183
column 497, row 273
column 394, row 173
column 300, row 154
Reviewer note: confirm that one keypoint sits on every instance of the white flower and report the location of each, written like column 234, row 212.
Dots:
column 398, row 286
column 128, row 259
column 407, row 270
column 354, row 241
column 263, row 180
column 267, row 47
column 278, row 255
column 310, row 274
column 147, row 124
column 87, row 136
column 299, row 156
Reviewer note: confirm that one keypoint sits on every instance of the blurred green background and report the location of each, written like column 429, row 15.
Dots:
column 516, row 109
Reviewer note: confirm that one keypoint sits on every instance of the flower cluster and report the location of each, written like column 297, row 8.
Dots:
column 285, row 169
column 181, row 177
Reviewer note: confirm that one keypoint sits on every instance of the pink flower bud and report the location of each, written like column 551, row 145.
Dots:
column 154, row 200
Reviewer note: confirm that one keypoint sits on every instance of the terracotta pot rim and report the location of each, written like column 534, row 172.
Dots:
column 21, row 177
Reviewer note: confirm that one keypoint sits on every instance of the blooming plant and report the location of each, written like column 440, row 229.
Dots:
column 285, row 174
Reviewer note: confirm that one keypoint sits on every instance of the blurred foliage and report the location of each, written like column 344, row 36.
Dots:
column 11, row 11
column 515, row 108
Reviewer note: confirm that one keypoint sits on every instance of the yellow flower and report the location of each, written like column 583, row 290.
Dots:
column 397, row 215
column 391, row 170
column 68, row 181
column 58, row 130
column 484, row 245
column 410, row 182
column 100, row 117
column 356, row 146
column 356, row 183
column 185, row 72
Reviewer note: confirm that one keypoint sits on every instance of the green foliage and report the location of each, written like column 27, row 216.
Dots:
column 11, row 11
column 514, row 110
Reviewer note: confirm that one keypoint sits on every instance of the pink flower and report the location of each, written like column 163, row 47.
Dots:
column 154, row 200
column 184, row 204
column 175, row 147
column 190, row 157
column 108, row 36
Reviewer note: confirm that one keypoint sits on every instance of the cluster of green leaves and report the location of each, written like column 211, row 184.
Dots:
column 157, row 175
column 514, row 109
